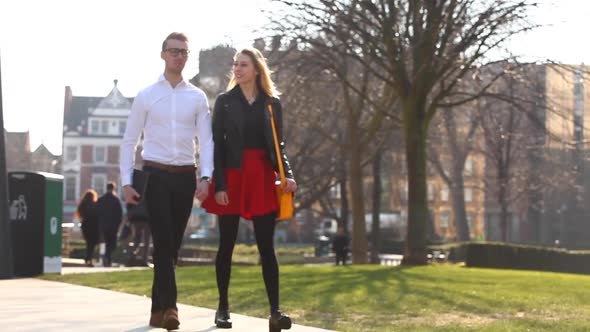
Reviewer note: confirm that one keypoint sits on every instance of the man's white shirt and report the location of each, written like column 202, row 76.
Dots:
column 170, row 119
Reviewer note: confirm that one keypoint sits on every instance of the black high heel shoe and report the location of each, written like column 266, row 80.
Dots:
column 278, row 321
column 222, row 319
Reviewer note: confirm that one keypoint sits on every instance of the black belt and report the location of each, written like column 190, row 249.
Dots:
column 170, row 168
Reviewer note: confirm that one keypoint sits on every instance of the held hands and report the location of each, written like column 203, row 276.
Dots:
column 131, row 196
column 202, row 190
column 222, row 199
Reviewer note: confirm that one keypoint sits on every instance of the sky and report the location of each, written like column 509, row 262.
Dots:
column 47, row 45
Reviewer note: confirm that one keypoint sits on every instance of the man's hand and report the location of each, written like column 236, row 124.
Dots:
column 202, row 190
column 131, row 196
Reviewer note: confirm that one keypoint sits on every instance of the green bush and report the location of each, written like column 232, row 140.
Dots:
column 524, row 257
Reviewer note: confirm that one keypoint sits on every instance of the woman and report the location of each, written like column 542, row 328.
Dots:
column 86, row 211
column 245, row 174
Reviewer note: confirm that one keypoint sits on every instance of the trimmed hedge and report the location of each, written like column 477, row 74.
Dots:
column 523, row 257
column 455, row 251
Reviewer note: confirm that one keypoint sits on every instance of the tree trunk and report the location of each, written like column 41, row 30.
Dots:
column 415, row 134
column 504, row 214
column 458, row 194
column 376, row 208
column 344, row 209
column 359, row 232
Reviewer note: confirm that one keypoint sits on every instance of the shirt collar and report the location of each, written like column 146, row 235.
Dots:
column 163, row 78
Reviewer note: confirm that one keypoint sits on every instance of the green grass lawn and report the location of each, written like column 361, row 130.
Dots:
column 376, row 298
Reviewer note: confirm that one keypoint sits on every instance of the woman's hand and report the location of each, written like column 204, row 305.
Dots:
column 221, row 198
column 291, row 185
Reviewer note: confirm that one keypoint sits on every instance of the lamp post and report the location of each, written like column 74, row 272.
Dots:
column 6, row 267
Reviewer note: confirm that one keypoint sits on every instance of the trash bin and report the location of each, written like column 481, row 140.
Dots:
column 322, row 246
column 35, row 212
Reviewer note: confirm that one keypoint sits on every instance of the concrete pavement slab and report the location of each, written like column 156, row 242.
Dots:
column 29, row 305
column 97, row 269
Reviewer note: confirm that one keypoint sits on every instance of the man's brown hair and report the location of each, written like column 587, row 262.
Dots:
column 175, row 35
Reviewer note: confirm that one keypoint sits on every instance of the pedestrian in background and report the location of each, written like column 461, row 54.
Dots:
column 340, row 244
column 86, row 212
column 110, row 216
column 141, row 240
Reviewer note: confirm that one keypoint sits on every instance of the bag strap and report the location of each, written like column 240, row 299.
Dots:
column 277, row 150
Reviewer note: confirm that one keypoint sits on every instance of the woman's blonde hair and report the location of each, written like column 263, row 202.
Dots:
column 263, row 80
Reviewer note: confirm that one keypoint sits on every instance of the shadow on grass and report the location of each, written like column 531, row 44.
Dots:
column 377, row 293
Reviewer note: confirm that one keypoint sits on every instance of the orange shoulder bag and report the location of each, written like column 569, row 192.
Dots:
column 285, row 199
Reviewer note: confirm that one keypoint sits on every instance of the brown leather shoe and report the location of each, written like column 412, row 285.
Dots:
column 156, row 319
column 170, row 320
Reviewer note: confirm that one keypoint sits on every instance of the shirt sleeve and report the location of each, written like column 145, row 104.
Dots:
column 135, row 124
column 205, row 138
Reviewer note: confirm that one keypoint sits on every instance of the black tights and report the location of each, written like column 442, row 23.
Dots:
column 264, row 229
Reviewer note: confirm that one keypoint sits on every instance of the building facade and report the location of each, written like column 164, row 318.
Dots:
column 549, row 185
column 92, row 134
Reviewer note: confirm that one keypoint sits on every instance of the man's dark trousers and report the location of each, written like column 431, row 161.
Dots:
column 169, row 198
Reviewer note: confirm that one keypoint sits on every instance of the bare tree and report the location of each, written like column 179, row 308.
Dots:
column 455, row 130
column 358, row 119
column 311, row 101
column 504, row 125
column 420, row 50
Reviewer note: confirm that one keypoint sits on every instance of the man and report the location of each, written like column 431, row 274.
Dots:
column 110, row 215
column 340, row 246
column 169, row 113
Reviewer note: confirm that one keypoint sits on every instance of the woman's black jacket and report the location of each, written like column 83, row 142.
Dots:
column 228, row 135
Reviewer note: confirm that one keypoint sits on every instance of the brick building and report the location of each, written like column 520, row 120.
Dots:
column 92, row 133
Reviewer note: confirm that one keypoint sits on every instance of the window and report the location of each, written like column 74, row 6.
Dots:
column 94, row 126
column 468, row 195
column 444, row 193
column 444, row 219
column 335, row 191
column 99, row 154
column 70, row 188
column 99, row 183
column 404, row 192
column 104, row 127
column 122, row 126
column 468, row 171
column 71, row 153
column 430, row 192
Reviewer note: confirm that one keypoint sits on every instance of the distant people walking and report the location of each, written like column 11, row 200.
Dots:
column 141, row 240
column 138, row 218
column 110, row 215
column 170, row 113
column 245, row 174
column 86, row 212
column 340, row 244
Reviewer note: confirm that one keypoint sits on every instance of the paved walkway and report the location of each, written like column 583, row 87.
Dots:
column 39, row 305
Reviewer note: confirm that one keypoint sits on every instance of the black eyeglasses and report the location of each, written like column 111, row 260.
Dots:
column 176, row 51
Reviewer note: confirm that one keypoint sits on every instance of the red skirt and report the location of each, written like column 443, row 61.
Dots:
column 250, row 189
